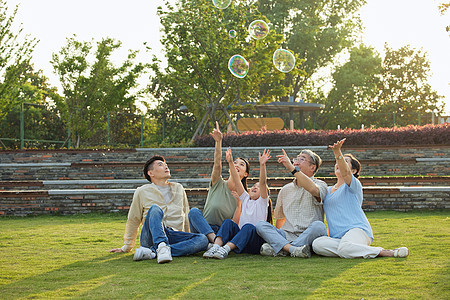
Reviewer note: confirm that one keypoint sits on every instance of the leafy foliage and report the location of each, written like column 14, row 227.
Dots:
column 197, row 47
column 316, row 30
column 409, row 135
column 355, row 85
column 94, row 89
column 380, row 92
column 15, row 54
column 42, row 121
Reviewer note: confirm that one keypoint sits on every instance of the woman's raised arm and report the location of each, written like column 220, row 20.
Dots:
column 217, row 167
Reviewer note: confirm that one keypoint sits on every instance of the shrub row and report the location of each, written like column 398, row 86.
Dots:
column 409, row 135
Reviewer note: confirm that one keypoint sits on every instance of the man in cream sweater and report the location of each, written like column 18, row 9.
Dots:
column 162, row 209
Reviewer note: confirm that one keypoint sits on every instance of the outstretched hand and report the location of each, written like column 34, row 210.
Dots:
column 263, row 158
column 216, row 133
column 336, row 147
column 116, row 250
column 284, row 159
column 229, row 155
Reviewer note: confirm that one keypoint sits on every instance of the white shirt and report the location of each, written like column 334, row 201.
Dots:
column 252, row 211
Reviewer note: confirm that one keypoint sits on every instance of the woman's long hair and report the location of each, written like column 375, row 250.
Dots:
column 247, row 169
column 269, row 207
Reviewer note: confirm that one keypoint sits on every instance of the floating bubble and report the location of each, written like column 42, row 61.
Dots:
column 232, row 33
column 283, row 60
column 258, row 29
column 238, row 66
column 222, row 4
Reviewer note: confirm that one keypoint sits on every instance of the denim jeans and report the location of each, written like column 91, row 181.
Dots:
column 277, row 238
column 198, row 223
column 181, row 243
column 246, row 239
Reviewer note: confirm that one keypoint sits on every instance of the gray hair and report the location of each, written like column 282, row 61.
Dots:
column 315, row 159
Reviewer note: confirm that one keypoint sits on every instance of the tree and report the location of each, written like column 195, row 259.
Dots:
column 94, row 89
column 197, row 49
column 42, row 121
column 355, row 84
column 316, row 30
column 443, row 7
column 15, row 54
column 381, row 92
column 404, row 89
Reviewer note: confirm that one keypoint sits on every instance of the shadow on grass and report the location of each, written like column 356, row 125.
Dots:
column 239, row 276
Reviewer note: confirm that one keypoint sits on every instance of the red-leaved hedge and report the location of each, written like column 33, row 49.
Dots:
column 409, row 135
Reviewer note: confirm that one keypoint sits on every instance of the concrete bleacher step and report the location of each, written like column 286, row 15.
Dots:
column 69, row 201
column 204, row 182
column 69, row 181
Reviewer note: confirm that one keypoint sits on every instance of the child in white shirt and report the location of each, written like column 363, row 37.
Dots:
column 252, row 206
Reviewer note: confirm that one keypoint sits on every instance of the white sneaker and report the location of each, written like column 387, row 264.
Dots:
column 163, row 253
column 143, row 253
column 221, row 253
column 210, row 252
column 401, row 252
column 302, row 251
column 267, row 250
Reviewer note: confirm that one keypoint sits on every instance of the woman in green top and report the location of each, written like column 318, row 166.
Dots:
column 220, row 203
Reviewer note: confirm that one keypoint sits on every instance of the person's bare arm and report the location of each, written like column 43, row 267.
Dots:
column 343, row 166
column 234, row 174
column 217, row 167
column 279, row 223
column 302, row 180
column 238, row 210
column 263, row 173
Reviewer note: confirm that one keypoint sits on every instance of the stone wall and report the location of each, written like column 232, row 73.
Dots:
column 39, row 182
column 197, row 162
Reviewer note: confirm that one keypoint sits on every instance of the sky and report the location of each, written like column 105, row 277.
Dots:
column 395, row 22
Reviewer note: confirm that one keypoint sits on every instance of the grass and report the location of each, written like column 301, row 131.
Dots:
column 67, row 257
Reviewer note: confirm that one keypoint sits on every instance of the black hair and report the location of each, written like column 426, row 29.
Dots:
column 149, row 163
column 247, row 169
column 269, row 212
column 356, row 165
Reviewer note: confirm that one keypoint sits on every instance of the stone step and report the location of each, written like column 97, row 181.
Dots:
column 204, row 182
column 70, row 201
column 197, row 162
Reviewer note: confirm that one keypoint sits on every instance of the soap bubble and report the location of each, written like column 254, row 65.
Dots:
column 222, row 4
column 238, row 66
column 232, row 33
column 283, row 60
column 258, row 29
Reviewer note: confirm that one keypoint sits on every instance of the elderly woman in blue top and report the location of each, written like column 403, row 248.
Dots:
column 350, row 231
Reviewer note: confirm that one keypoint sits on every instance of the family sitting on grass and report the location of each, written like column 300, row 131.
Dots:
column 238, row 219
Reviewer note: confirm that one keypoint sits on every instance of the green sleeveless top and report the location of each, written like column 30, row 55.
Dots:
column 220, row 203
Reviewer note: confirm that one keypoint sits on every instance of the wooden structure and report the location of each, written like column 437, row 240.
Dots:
column 250, row 124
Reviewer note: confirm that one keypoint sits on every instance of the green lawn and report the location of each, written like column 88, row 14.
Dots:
column 67, row 257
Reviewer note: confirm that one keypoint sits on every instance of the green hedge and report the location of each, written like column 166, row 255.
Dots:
column 409, row 135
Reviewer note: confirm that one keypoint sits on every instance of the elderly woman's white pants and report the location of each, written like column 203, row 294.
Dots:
column 354, row 244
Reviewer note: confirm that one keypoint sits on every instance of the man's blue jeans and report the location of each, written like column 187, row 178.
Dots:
column 277, row 237
column 246, row 239
column 198, row 223
column 181, row 243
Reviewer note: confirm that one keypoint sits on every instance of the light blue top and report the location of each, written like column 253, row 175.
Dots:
column 343, row 210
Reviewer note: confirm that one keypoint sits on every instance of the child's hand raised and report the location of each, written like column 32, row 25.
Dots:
column 263, row 158
column 229, row 155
